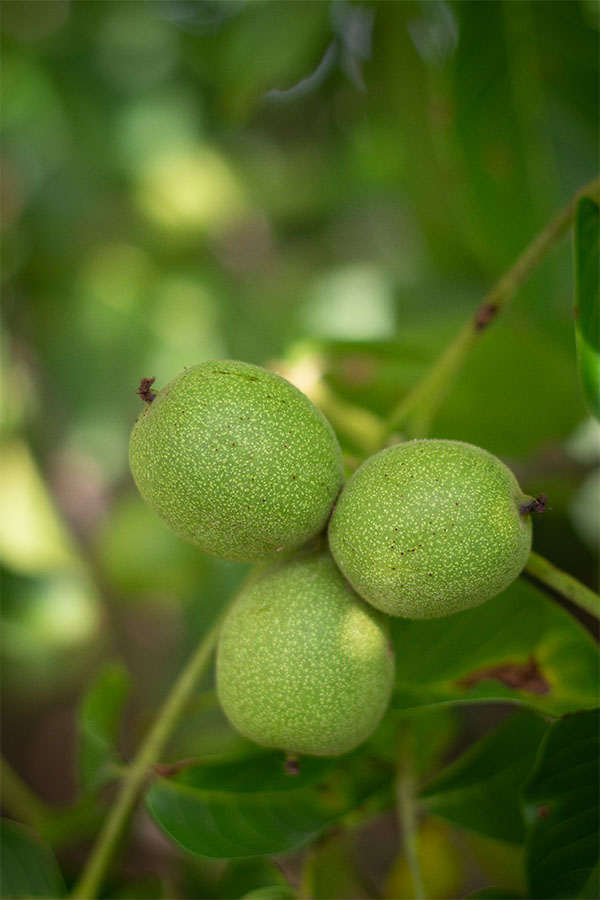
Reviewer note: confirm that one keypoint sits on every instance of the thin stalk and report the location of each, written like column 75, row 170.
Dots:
column 570, row 588
column 362, row 427
column 147, row 756
column 421, row 404
column 407, row 817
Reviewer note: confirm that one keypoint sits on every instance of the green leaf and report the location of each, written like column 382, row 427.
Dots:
column 399, row 92
column 246, row 876
column 331, row 867
column 252, row 806
column 480, row 790
column 99, row 726
column 495, row 402
column 502, row 863
column 519, row 646
column 270, row 892
column 141, row 888
column 29, row 868
column 561, row 809
column 587, row 300
column 591, row 888
column 440, row 860
column 498, row 146
column 433, row 729
column 260, row 36
column 494, row 893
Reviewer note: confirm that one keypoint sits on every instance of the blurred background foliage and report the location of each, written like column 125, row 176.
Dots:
column 324, row 187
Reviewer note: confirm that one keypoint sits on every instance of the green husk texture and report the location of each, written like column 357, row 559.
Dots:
column 430, row 527
column 237, row 460
column 303, row 664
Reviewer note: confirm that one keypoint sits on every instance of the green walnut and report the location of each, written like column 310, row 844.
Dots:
column 303, row 664
column 236, row 459
column 431, row 527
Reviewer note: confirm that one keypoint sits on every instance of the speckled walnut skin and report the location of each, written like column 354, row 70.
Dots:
column 429, row 528
column 303, row 664
column 237, row 460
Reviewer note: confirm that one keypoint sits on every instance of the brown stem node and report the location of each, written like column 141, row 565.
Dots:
column 168, row 769
column 485, row 315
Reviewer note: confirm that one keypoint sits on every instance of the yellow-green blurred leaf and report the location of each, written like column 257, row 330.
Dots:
column 33, row 538
column 440, row 863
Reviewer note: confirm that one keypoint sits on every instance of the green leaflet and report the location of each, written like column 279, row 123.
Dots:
column 99, row 726
column 520, row 646
column 480, row 790
column 561, row 801
column 29, row 868
column 252, row 806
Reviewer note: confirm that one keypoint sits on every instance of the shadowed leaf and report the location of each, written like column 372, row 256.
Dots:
column 480, row 790
column 29, row 868
column 251, row 806
column 561, row 801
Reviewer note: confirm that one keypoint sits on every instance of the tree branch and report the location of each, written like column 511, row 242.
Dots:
column 148, row 755
column 420, row 405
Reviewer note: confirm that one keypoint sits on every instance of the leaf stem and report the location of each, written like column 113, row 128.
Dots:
column 365, row 429
column 407, row 818
column 543, row 570
column 418, row 408
column 148, row 755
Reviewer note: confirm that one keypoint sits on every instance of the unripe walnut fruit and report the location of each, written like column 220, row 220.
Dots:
column 303, row 664
column 236, row 459
column 430, row 527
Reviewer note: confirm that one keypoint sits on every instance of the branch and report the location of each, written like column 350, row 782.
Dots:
column 420, row 405
column 147, row 757
column 406, row 812
column 553, row 577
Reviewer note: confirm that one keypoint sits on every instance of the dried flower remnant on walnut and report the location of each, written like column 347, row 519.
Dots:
column 144, row 391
